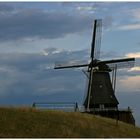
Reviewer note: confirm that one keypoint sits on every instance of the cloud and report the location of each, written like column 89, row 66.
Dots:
column 133, row 18
column 25, row 77
column 135, row 13
column 87, row 8
column 130, row 84
column 135, row 26
column 33, row 74
column 5, row 7
column 30, row 23
column 136, row 55
column 51, row 50
column 110, row 55
column 81, row 6
column 135, row 69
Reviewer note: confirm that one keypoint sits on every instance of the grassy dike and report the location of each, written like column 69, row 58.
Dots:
column 32, row 123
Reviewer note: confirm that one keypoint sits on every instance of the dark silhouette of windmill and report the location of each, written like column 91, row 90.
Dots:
column 100, row 97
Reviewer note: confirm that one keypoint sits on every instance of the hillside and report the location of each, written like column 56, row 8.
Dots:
column 31, row 123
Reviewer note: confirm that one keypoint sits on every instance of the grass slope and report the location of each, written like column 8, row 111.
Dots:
column 31, row 123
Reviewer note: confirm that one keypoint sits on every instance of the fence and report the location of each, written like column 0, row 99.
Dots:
column 65, row 106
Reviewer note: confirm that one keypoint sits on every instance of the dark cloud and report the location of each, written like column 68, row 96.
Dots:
column 34, row 73
column 30, row 23
column 24, row 78
column 6, row 7
column 35, row 61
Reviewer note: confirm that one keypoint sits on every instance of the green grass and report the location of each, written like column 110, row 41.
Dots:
column 31, row 123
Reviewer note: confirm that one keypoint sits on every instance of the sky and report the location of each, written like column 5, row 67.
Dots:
column 36, row 35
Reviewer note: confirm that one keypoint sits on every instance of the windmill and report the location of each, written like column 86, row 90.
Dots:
column 101, row 87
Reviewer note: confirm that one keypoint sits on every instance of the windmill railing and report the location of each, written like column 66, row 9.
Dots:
column 110, row 109
column 65, row 106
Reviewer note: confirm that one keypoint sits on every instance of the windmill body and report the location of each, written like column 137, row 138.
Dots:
column 102, row 94
column 100, row 97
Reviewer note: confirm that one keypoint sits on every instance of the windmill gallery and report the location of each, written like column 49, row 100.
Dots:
column 100, row 97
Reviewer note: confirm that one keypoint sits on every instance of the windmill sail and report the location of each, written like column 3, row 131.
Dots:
column 70, row 64
column 120, row 63
column 96, row 39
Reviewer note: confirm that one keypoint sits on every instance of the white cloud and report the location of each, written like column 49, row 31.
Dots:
column 51, row 50
column 136, row 13
column 136, row 55
column 34, row 23
column 135, row 16
column 134, row 69
column 135, row 26
column 130, row 84
column 86, row 8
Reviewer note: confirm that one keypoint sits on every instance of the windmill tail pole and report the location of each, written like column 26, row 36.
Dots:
column 115, row 78
column 89, row 89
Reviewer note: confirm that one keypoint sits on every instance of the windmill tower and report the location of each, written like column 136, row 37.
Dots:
column 100, row 96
